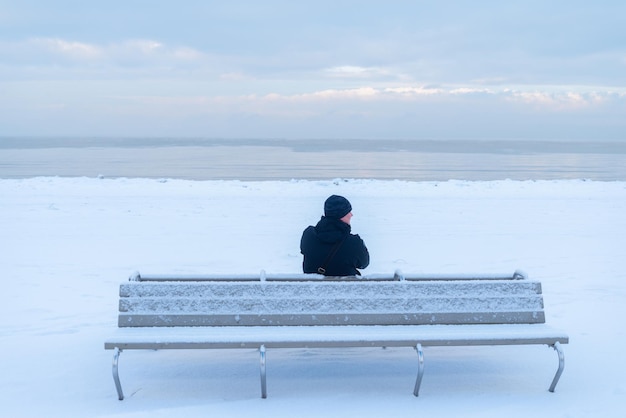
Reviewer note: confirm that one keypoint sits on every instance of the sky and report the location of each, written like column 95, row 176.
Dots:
column 314, row 69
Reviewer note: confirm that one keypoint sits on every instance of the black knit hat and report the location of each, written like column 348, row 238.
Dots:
column 337, row 207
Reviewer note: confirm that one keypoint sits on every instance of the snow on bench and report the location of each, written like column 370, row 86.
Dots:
column 305, row 311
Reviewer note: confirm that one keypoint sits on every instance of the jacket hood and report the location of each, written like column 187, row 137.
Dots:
column 331, row 230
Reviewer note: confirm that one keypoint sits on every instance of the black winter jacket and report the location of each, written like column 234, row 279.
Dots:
column 318, row 241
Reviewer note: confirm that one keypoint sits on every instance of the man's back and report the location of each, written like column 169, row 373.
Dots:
column 330, row 245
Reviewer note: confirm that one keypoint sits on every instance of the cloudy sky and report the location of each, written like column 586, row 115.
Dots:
column 532, row 69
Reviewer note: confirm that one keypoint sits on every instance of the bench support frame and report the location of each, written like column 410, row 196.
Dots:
column 263, row 369
column 557, row 376
column 116, row 375
column 263, row 374
column 420, row 369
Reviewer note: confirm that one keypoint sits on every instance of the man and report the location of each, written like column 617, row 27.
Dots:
column 328, row 247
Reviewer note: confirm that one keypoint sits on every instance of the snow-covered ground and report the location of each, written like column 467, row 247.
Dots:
column 67, row 244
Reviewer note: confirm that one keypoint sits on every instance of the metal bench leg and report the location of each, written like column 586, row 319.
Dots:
column 116, row 376
column 557, row 376
column 263, row 380
column 420, row 369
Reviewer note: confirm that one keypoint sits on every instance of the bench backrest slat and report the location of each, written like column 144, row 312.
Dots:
column 328, row 289
column 246, row 303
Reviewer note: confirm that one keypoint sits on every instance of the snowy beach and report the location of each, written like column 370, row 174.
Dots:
column 67, row 244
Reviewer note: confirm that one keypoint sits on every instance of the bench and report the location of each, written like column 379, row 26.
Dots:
column 264, row 312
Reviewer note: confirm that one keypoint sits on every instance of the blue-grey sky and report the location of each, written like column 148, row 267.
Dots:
column 533, row 69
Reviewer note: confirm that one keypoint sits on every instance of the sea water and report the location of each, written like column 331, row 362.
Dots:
column 278, row 159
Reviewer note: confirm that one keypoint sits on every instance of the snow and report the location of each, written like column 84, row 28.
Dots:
column 396, row 335
column 67, row 244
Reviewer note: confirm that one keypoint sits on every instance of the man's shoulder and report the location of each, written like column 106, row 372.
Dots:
column 309, row 230
column 356, row 238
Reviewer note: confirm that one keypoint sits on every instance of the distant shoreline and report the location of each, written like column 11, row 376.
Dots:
column 251, row 160
column 308, row 145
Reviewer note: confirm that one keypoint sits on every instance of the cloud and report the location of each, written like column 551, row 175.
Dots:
column 144, row 47
column 361, row 93
column 71, row 49
column 414, row 91
column 471, row 90
column 372, row 100
column 47, row 52
column 353, row 71
column 178, row 78
column 561, row 101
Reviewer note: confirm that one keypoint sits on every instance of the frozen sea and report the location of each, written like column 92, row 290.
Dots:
column 282, row 159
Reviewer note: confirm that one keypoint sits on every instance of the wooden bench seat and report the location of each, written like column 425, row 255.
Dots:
column 297, row 311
